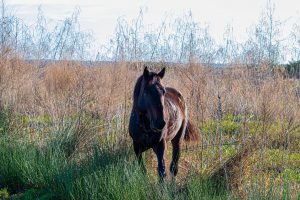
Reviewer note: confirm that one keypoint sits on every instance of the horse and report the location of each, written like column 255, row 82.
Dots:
column 159, row 115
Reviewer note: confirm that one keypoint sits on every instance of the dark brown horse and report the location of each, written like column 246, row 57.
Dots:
column 159, row 115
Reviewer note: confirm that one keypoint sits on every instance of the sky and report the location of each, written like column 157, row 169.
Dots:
column 101, row 16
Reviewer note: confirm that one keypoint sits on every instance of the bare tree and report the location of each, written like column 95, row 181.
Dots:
column 264, row 40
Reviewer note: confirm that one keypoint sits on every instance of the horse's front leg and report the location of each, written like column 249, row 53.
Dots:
column 138, row 152
column 160, row 151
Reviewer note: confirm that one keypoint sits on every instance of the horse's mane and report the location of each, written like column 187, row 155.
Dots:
column 136, row 93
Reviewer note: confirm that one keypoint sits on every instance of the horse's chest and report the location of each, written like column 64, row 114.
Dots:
column 146, row 138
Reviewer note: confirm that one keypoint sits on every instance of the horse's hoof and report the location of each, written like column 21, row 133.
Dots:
column 173, row 169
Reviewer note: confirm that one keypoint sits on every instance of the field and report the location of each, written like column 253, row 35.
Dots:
column 64, row 124
column 65, row 135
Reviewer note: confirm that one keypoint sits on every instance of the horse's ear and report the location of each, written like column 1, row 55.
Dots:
column 162, row 72
column 146, row 72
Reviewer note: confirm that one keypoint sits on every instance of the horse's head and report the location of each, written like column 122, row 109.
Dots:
column 151, row 99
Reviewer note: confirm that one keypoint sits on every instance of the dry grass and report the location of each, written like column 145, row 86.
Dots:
column 62, row 89
column 263, row 110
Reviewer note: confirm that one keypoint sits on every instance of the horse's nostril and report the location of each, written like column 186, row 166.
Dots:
column 160, row 123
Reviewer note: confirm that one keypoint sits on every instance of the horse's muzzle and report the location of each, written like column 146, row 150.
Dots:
column 160, row 124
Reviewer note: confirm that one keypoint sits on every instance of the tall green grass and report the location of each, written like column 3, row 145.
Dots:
column 59, row 167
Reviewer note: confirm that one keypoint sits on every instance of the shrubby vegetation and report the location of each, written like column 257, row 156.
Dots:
column 293, row 69
column 64, row 110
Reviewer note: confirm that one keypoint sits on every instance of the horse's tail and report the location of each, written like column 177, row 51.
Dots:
column 191, row 132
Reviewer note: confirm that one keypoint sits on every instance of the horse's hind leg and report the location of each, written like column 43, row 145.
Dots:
column 177, row 145
column 138, row 151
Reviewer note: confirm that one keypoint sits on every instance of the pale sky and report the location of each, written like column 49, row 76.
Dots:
column 101, row 16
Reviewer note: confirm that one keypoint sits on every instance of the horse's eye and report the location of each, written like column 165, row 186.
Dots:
column 147, row 93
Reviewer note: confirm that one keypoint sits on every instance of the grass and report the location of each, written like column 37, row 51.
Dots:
column 96, row 171
column 49, row 168
column 72, row 142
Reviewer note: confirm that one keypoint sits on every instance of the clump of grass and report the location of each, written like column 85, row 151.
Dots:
column 4, row 193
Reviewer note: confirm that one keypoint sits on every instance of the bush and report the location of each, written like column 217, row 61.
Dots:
column 293, row 69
